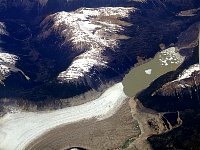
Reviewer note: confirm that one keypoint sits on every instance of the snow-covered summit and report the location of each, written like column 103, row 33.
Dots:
column 92, row 30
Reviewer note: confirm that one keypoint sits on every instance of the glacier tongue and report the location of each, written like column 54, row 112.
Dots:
column 93, row 30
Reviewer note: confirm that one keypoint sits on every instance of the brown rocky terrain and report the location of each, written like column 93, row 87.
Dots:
column 128, row 129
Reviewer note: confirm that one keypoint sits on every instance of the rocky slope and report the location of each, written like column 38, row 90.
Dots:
column 88, row 48
column 187, row 81
column 91, row 33
column 8, row 60
column 188, row 77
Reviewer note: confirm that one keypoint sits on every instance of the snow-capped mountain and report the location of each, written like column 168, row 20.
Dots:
column 7, row 61
column 91, row 31
column 72, row 50
column 187, row 73
column 67, row 51
column 186, row 81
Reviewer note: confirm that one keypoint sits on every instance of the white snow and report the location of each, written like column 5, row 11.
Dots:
column 184, row 85
column 7, row 61
column 188, row 72
column 85, row 29
column 4, row 70
column 170, row 56
column 8, row 64
column 19, row 129
column 107, row 11
column 81, row 66
column 8, row 58
column 148, row 71
column 3, row 29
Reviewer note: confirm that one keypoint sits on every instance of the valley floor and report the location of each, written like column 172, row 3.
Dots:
column 24, row 127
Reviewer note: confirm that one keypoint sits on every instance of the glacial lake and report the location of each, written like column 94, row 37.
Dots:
column 142, row 76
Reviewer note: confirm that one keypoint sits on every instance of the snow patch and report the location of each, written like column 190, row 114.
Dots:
column 4, row 70
column 188, row 72
column 3, row 29
column 8, row 58
column 7, row 61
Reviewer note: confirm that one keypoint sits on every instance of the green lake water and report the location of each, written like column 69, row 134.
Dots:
column 137, row 79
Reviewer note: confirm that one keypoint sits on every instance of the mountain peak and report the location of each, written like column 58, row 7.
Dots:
column 91, row 30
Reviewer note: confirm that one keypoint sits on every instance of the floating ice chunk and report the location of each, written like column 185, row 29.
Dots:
column 148, row 71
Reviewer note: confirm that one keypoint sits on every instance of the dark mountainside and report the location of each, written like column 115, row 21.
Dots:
column 154, row 22
column 169, row 94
